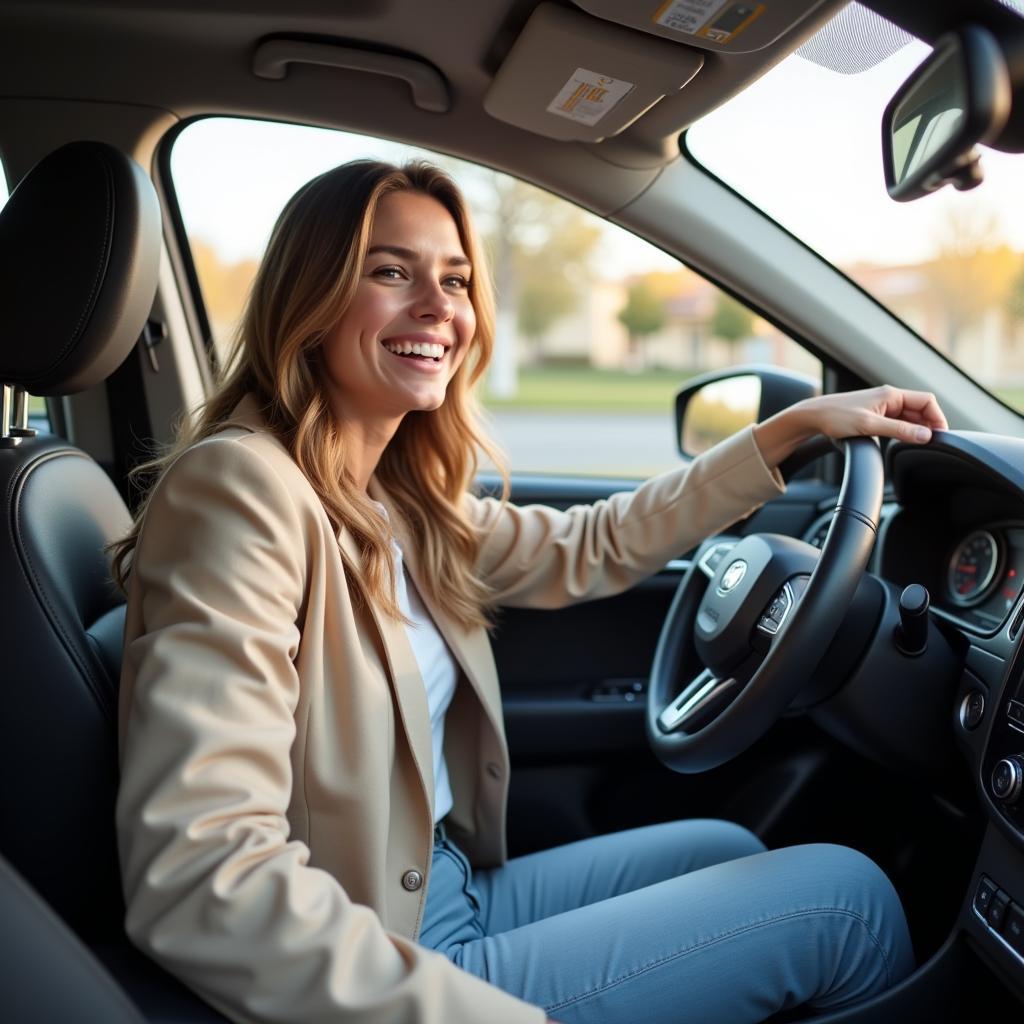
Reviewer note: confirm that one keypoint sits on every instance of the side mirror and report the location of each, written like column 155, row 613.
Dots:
column 959, row 97
column 715, row 405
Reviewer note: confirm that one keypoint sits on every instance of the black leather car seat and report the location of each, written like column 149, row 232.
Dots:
column 79, row 254
column 44, row 951
column 80, row 245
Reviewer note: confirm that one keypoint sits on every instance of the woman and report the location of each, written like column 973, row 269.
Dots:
column 312, row 745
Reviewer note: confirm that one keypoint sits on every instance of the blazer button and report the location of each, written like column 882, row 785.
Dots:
column 412, row 880
column 494, row 770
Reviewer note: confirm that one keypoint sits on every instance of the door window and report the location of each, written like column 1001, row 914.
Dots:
column 597, row 329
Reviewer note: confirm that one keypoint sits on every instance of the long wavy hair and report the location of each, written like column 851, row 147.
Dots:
column 307, row 279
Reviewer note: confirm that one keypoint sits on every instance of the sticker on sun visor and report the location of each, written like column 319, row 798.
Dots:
column 588, row 96
column 701, row 18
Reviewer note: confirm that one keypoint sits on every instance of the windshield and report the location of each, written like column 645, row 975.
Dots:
column 804, row 145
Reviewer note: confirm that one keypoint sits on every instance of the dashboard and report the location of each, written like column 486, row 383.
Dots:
column 971, row 562
column 953, row 522
column 963, row 540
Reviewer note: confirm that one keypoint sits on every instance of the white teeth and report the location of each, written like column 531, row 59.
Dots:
column 407, row 348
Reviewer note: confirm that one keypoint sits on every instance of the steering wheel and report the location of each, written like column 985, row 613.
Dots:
column 765, row 618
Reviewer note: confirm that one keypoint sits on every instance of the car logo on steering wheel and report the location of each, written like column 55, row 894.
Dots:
column 732, row 576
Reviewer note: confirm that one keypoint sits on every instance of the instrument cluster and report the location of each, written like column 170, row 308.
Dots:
column 984, row 573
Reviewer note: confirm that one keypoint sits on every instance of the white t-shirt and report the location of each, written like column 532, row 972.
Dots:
column 436, row 665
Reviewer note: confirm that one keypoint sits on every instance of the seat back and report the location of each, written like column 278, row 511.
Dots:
column 45, row 973
column 79, row 252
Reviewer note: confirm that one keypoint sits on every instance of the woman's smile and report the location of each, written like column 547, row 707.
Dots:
column 425, row 352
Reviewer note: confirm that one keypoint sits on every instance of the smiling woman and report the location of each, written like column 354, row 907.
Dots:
column 314, row 768
column 310, row 352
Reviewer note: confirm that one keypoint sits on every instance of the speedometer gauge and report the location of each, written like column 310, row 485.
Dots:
column 972, row 568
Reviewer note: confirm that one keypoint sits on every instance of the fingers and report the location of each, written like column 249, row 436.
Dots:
column 916, row 432
column 909, row 415
column 918, row 407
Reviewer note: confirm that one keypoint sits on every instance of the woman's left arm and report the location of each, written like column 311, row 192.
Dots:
column 540, row 557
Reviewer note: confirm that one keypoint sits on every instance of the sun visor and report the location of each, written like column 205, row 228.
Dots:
column 576, row 78
column 722, row 25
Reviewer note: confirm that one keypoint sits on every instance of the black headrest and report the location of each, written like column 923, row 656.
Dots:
column 79, row 253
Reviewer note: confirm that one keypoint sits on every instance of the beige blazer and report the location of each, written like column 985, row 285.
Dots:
column 275, row 812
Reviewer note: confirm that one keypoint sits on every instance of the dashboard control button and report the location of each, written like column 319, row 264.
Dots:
column 983, row 897
column 1015, row 712
column 972, row 709
column 1013, row 930
column 997, row 911
column 1007, row 778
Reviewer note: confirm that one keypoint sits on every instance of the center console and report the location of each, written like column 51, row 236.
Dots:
column 990, row 728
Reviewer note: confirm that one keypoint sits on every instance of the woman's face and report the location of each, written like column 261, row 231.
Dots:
column 410, row 322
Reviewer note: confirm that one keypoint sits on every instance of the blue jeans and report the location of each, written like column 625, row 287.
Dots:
column 688, row 921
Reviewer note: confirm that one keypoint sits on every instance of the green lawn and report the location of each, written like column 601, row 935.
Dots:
column 614, row 391
column 593, row 390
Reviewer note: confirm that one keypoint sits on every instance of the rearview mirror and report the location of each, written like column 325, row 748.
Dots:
column 959, row 97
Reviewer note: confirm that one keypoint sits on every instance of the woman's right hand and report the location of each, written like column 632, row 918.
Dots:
column 885, row 411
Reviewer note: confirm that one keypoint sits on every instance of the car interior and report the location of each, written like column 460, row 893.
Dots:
column 868, row 691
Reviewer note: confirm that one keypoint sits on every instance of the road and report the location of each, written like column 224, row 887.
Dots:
column 603, row 444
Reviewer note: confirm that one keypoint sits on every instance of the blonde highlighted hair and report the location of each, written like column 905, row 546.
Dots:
column 304, row 284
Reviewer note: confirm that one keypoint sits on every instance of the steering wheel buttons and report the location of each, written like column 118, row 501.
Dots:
column 1013, row 932
column 983, row 897
column 997, row 910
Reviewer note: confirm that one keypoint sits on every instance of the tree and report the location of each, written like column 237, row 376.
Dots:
column 224, row 287
column 642, row 315
column 971, row 273
column 731, row 320
column 543, row 300
column 1015, row 296
column 540, row 248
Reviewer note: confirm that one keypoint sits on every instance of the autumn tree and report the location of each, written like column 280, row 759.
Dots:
column 1015, row 296
column 543, row 300
column 972, row 273
column 224, row 287
column 643, row 314
column 540, row 248
column 731, row 320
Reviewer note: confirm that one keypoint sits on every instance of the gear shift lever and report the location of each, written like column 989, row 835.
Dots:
column 911, row 635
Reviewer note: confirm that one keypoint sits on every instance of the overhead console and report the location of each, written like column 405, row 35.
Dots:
column 584, row 77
